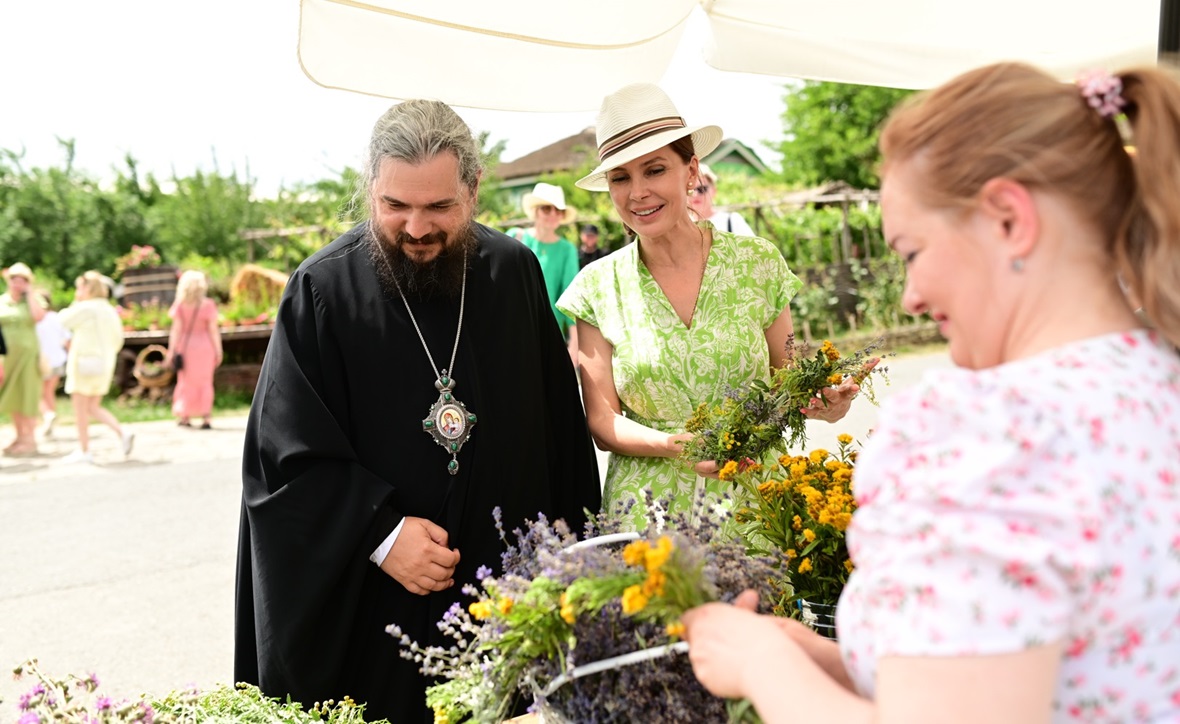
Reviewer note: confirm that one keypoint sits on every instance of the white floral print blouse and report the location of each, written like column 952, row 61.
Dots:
column 1034, row 502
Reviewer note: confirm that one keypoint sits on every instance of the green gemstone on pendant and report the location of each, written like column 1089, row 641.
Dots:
column 447, row 396
column 445, row 380
column 453, row 465
column 455, row 447
column 471, row 418
column 428, row 423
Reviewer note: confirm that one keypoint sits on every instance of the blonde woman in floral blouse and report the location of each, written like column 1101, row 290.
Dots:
column 1017, row 545
column 676, row 318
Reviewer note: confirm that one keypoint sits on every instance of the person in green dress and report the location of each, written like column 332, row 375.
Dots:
column 677, row 318
column 546, row 206
column 20, row 392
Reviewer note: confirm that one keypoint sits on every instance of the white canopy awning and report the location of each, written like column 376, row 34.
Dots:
column 528, row 55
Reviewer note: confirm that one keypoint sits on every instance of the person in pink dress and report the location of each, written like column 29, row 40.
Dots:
column 1017, row 544
column 194, row 341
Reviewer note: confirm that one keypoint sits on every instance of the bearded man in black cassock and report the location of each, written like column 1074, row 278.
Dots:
column 415, row 380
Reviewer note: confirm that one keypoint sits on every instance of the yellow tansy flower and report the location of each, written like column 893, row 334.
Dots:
column 635, row 552
column 654, row 585
column 844, row 438
column 675, row 630
column 480, row 609
column 805, row 565
column 633, row 600
column 658, row 555
column 809, row 534
column 728, row 470
column 505, row 605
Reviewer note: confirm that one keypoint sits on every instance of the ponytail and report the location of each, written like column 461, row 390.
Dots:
column 1147, row 245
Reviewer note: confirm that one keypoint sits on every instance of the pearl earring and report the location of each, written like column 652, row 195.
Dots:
column 1018, row 265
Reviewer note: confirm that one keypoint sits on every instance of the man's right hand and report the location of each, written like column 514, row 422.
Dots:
column 420, row 559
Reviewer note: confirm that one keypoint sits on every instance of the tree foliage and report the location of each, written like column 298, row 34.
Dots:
column 831, row 132
column 62, row 222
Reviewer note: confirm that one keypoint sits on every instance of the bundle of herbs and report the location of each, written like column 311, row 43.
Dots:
column 763, row 417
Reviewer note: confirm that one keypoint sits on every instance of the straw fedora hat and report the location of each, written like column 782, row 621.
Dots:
column 19, row 269
column 636, row 120
column 544, row 194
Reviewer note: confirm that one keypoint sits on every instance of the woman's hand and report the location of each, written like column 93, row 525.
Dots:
column 833, row 403
column 726, row 642
column 706, row 469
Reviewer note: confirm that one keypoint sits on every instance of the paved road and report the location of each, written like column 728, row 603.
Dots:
column 126, row 568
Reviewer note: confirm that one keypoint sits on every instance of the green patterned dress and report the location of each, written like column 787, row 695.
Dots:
column 21, row 390
column 663, row 370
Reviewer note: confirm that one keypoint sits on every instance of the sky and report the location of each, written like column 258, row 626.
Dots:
column 216, row 85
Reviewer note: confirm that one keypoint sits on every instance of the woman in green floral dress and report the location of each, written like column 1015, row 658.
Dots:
column 20, row 392
column 679, row 317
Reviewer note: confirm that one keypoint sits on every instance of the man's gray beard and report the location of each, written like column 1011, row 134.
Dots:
column 442, row 276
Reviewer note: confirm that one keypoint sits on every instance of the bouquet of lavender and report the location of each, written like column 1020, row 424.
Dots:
column 591, row 630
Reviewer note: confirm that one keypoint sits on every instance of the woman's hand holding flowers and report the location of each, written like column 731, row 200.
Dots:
column 833, row 403
column 706, row 469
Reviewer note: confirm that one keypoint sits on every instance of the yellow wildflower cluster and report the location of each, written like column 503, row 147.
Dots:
column 829, row 350
column 568, row 614
column 642, row 553
column 802, row 507
column 483, row 608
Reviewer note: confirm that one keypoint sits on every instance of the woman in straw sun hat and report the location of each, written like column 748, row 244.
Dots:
column 545, row 206
column 673, row 320
column 20, row 392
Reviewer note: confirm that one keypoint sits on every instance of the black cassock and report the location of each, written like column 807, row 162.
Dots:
column 335, row 456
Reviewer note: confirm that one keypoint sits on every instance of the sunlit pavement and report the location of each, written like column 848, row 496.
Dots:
column 125, row 568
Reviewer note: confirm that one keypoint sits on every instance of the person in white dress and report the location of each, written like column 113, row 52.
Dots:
column 53, row 338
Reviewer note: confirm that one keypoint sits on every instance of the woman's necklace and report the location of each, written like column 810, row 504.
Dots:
column 448, row 422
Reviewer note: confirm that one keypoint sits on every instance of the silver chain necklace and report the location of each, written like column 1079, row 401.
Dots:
column 449, row 422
